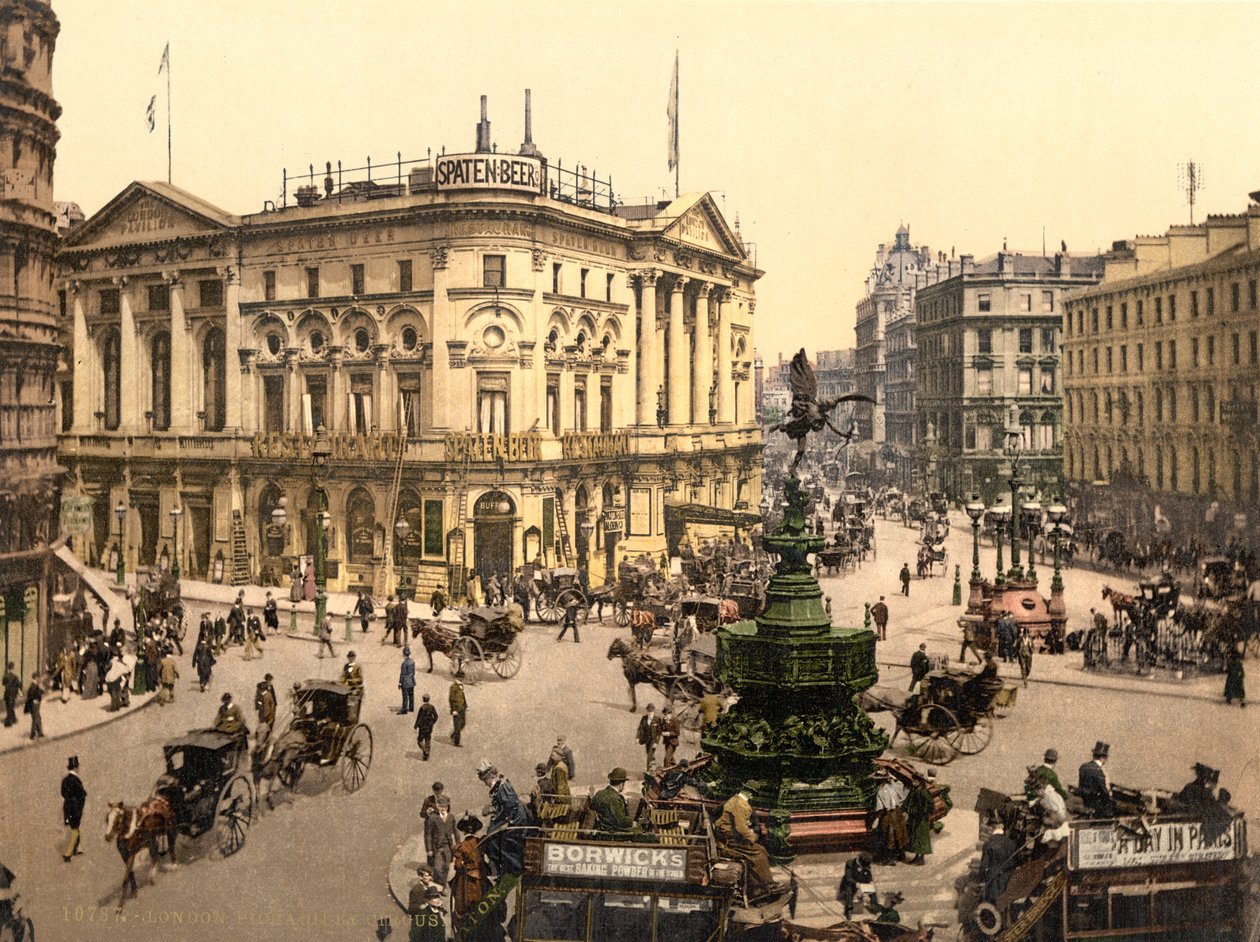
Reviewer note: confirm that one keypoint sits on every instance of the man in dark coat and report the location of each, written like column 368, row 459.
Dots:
column 1235, row 678
column 649, row 733
column 12, row 687
column 919, row 665
column 612, row 812
column 34, row 696
column 271, row 614
column 857, row 877
column 459, row 710
column 73, row 798
column 407, row 682
column 570, row 620
column 879, row 615
column 994, row 873
column 426, row 719
column 1094, row 785
column 439, row 841
column 364, row 608
column 905, row 579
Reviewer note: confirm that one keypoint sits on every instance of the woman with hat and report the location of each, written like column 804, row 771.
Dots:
column 505, row 836
column 469, row 882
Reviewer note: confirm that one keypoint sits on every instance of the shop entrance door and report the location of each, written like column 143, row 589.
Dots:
column 494, row 522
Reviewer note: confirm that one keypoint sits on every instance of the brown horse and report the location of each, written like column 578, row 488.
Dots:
column 137, row 829
column 638, row 668
column 1121, row 604
column 642, row 624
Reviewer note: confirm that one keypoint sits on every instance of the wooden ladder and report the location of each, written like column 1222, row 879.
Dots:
column 379, row 588
column 457, row 576
column 563, row 526
column 240, row 551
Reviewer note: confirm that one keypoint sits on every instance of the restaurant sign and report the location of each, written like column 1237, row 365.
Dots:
column 1108, row 847
column 617, row 862
column 488, row 172
column 465, row 446
column 595, row 444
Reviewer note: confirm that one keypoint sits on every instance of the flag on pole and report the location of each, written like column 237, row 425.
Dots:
column 166, row 58
column 672, row 111
column 149, row 113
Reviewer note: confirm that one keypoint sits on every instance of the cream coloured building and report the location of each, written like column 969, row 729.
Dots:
column 498, row 351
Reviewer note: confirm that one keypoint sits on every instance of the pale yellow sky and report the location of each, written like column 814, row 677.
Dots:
column 825, row 125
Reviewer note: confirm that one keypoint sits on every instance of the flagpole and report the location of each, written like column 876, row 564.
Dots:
column 677, row 154
column 168, row 115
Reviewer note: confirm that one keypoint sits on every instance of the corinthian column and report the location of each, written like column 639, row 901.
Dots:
column 83, row 366
column 232, row 338
column 725, row 385
column 181, row 360
column 702, row 359
column 678, row 400
column 649, row 353
column 129, row 366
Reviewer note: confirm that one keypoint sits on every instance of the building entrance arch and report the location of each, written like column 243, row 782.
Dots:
column 494, row 522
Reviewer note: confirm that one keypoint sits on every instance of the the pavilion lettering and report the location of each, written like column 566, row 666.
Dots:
column 462, row 446
column 478, row 171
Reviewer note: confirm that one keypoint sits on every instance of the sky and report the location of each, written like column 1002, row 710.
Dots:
column 822, row 126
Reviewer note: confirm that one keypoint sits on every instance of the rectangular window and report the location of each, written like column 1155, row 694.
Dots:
column 159, row 297
column 1124, row 358
column 1159, row 354
column 61, row 302
column 1251, row 294
column 1194, row 351
column 1025, row 380
column 494, row 271
column 582, row 282
column 1159, row 310
column 605, row 405
column 1025, row 303
column 1047, row 340
column 404, row 275
column 1194, row 404
column 1194, row 304
column 984, row 381
column 1251, row 348
column 1235, row 296
column 1047, row 302
column 1108, row 359
column 548, row 522
column 1025, row 339
column 409, row 403
column 984, row 303
column 1211, row 350
column 67, row 405
column 1211, row 404
column 210, row 293
column 1172, row 405
column 1172, row 307
column 492, row 404
column 359, row 406
column 1124, row 315
column 269, row 285
column 608, row 288
column 579, row 405
column 1237, row 348
column 356, row 280
column 1211, row 301
column 1141, row 360
column 273, row 402
column 1080, row 321
column 108, row 300
column 1172, row 354
column 984, row 340
column 553, row 404
column 1093, row 320
column 434, row 529
column 1095, row 352
column 312, row 282
column 555, row 277
column 314, row 404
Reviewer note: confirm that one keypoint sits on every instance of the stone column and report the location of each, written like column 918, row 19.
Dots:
column 725, row 384
column 441, row 405
column 678, row 400
column 702, row 357
column 293, row 384
column 385, row 398
column 85, row 375
column 338, row 389
column 649, row 352
column 129, row 363
column 181, row 363
column 232, row 336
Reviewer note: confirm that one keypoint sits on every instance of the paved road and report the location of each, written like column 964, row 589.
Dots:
column 315, row 868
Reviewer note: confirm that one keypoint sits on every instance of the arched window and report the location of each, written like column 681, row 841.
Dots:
column 160, row 379
column 360, row 525
column 111, row 354
column 408, row 551
column 214, row 379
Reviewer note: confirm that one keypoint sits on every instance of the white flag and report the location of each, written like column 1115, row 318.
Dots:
column 166, row 58
column 149, row 112
column 672, row 111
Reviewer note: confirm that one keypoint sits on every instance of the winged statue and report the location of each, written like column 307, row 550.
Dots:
column 808, row 412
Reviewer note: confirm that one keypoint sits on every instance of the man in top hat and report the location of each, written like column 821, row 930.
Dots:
column 1046, row 773
column 271, row 614
column 426, row 719
column 1094, row 784
column 73, row 798
column 352, row 673
column 612, row 811
column 737, row 839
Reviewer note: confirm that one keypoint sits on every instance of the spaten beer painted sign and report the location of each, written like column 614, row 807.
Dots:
column 488, row 171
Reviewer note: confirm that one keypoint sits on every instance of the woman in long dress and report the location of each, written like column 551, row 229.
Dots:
column 295, row 585
column 91, row 688
column 308, row 583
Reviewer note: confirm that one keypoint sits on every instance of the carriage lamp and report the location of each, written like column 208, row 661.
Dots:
column 975, row 510
column 321, row 450
column 280, row 516
column 176, row 513
column 1056, row 513
column 121, row 513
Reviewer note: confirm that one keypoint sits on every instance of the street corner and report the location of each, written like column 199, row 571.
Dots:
column 402, row 868
column 76, row 716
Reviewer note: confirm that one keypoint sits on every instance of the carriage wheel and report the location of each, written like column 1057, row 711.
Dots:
column 549, row 610
column 233, row 814
column 574, row 595
column 929, row 734
column 621, row 614
column 291, row 766
column 507, row 663
column 988, row 919
column 356, row 758
column 467, row 659
column 970, row 740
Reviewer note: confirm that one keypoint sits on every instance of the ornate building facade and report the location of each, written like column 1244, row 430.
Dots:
column 1161, row 369
column 503, row 357
column 29, row 474
column 988, row 360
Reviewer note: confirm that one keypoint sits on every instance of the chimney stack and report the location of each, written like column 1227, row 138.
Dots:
column 483, row 130
column 527, row 147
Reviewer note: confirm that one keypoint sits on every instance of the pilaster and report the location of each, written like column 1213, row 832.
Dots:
column 678, row 401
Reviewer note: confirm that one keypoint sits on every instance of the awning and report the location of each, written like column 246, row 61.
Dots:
column 99, row 585
column 714, row 516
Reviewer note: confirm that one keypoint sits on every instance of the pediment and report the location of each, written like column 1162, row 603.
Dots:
column 145, row 213
column 701, row 225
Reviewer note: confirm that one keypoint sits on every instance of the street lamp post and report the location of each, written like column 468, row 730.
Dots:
column 121, row 513
column 587, row 529
column 280, row 517
column 321, row 451
column 999, row 515
column 1056, row 513
column 401, row 529
column 176, row 513
column 1014, row 448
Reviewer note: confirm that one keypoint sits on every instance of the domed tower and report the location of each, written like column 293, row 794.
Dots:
column 29, row 475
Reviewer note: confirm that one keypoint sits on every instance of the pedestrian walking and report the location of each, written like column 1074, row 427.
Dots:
column 73, row 798
column 968, row 642
column 918, row 807
column 152, row 659
column 12, row 687
column 426, row 719
column 439, row 841
column 879, row 615
column 670, row 733
column 459, row 710
column 649, row 733
column 407, row 682
column 265, row 702
column 1005, row 631
column 905, row 579
column 67, row 671
column 366, row 611
column 325, row 637
column 391, row 612
column 168, row 673
column 400, row 621
column 919, row 665
column 570, row 620
column 295, row 584
column 252, row 636
column 1235, row 677
column 34, row 697
column 203, row 661
column 271, row 615
column 1024, row 653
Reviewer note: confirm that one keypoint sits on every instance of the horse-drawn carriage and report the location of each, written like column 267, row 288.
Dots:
column 683, row 687
column 952, row 714
column 557, row 590
column 325, row 730
column 206, row 787
column 709, row 611
column 475, row 638
column 159, row 592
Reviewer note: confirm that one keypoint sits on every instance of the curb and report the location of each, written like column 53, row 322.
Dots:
column 132, row 711
column 402, row 868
